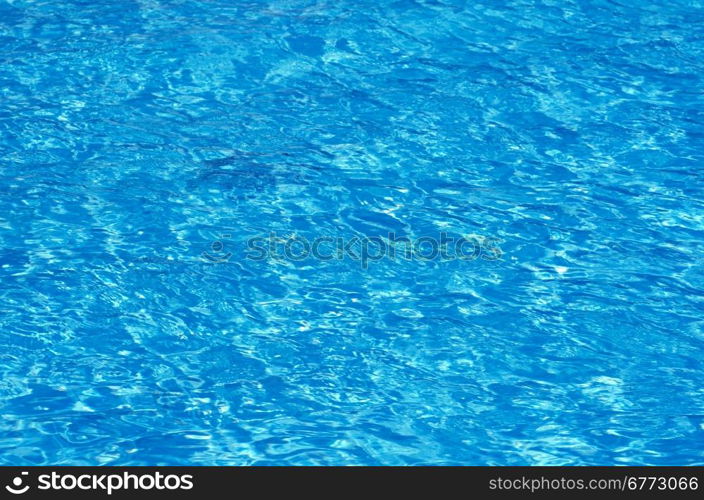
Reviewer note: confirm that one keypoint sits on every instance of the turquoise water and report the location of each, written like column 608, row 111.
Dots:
column 164, row 164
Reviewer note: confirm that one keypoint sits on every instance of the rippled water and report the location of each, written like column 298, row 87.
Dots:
column 142, row 143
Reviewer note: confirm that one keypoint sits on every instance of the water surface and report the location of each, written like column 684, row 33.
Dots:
column 143, row 142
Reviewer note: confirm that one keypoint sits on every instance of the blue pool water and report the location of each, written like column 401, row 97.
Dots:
column 144, row 143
